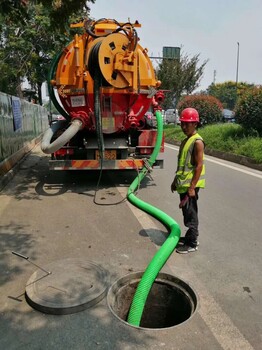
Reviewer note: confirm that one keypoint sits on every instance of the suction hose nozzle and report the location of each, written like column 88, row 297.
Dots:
column 160, row 258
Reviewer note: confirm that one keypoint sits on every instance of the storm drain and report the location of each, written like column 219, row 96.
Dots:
column 170, row 302
column 67, row 286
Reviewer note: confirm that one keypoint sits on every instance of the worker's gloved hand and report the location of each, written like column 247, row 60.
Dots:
column 184, row 201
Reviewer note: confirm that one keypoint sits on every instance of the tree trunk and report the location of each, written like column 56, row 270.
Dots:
column 39, row 92
column 19, row 91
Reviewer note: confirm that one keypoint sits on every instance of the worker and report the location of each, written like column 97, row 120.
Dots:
column 189, row 178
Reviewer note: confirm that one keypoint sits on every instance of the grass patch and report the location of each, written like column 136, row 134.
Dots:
column 231, row 138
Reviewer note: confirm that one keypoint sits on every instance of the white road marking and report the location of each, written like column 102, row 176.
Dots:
column 219, row 323
column 223, row 164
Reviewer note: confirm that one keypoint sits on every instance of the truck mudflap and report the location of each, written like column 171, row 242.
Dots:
column 120, row 164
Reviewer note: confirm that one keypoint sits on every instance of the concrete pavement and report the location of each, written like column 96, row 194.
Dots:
column 50, row 217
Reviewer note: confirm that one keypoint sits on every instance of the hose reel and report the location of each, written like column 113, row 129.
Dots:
column 110, row 56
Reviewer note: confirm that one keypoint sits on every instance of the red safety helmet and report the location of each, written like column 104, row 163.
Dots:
column 189, row 115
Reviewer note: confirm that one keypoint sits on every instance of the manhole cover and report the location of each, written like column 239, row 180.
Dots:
column 170, row 302
column 72, row 286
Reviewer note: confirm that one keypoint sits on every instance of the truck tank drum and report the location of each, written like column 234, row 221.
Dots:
column 106, row 60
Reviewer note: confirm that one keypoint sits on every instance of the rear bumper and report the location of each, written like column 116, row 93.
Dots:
column 120, row 164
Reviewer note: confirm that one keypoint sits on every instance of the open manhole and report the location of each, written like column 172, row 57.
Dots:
column 170, row 302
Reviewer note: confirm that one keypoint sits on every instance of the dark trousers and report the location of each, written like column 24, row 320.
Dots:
column 190, row 214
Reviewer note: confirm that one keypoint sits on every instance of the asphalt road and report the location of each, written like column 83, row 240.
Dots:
column 226, row 270
column 53, row 216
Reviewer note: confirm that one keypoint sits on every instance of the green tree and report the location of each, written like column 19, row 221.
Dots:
column 15, row 8
column 248, row 112
column 60, row 11
column 66, row 11
column 208, row 107
column 228, row 92
column 179, row 77
column 29, row 42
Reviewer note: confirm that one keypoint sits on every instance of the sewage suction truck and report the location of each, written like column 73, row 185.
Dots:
column 103, row 83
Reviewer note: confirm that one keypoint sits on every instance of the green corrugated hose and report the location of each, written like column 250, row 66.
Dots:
column 160, row 258
column 50, row 76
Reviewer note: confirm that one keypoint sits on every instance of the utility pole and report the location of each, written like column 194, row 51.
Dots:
column 214, row 79
column 237, row 63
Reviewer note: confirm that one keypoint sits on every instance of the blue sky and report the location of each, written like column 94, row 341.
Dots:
column 209, row 28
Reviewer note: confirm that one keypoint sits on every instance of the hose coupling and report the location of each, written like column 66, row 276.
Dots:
column 147, row 165
column 82, row 116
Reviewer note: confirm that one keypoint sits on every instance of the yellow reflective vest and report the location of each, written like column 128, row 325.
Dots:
column 185, row 169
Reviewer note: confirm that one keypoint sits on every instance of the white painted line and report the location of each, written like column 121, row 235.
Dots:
column 223, row 164
column 219, row 323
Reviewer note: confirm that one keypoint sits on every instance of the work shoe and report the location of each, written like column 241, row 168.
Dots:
column 182, row 240
column 184, row 249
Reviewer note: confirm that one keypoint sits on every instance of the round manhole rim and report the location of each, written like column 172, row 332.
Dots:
column 162, row 277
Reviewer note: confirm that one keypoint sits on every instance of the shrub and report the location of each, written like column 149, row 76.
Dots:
column 248, row 112
column 228, row 137
column 208, row 107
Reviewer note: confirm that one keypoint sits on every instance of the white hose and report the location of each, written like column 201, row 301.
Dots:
column 48, row 148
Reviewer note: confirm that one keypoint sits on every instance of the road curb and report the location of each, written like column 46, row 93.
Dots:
column 10, row 166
